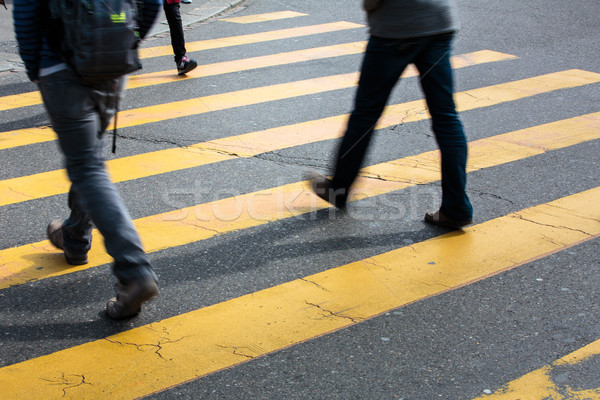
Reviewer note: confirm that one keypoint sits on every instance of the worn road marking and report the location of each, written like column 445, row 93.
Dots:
column 561, row 380
column 160, row 355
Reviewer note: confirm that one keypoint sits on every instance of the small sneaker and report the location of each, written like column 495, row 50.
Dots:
column 54, row 232
column 186, row 1
column 439, row 219
column 130, row 298
column 186, row 65
column 322, row 186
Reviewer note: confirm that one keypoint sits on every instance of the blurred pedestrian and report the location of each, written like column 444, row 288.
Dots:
column 80, row 111
column 173, row 14
column 404, row 32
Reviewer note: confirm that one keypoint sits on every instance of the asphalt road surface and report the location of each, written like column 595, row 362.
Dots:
column 266, row 293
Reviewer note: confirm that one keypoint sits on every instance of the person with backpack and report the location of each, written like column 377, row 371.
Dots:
column 404, row 32
column 81, row 95
column 182, row 61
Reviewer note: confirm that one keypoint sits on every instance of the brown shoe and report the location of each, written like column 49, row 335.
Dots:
column 439, row 219
column 54, row 232
column 130, row 298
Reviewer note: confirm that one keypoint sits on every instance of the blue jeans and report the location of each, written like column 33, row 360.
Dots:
column 80, row 114
column 383, row 64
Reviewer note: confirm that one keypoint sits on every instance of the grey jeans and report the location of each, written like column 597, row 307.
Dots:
column 80, row 115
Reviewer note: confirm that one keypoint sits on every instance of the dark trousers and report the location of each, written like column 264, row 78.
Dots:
column 79, row 115
column 176, row 29
column 383, row 64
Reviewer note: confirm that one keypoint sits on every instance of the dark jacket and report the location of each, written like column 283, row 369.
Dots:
column 30, row 18
column 399, row 19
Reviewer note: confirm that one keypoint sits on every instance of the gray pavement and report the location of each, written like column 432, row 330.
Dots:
column 197, row 11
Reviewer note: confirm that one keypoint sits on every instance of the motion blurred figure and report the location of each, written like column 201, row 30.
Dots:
column 404, row 32
column 80, row 112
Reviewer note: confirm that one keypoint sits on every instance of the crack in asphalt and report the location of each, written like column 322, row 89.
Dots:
column 493, row 195
column 517, row 215
column 316, row 284
column 235, row 350
column 332, row 314
column 65, row 381
column 140, row 347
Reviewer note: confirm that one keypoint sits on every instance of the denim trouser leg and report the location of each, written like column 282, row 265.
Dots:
column 79, row 115
column 173, row 14
column 383, row 63
column 433, row 63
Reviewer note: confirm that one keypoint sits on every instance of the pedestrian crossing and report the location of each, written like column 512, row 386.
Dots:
column 203, row 221
column 240, row 98
column 229, row 333
column 151, row 358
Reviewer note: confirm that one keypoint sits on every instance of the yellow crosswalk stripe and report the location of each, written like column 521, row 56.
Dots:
column 248, row 145
column 199, row 105
column 250, row 19
column 161, row 77
column 160, row 355
column 541, row 383
column 245, row 64
column 32, row 98
column 40, row 260
column 221, row 101
column 251, row 38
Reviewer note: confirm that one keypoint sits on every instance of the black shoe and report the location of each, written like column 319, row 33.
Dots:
column 324, row 189
column 55, row 235
column 130, row 297
column 439, row 219
column 186, row 65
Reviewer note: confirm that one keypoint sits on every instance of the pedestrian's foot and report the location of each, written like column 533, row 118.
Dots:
column 186, row 65
column 130, row 297
column 322, row 187
column 55, row 235
column 439, row 219
column 186, row 1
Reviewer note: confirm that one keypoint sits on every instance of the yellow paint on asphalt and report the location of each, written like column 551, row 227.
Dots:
column 155, row 78
column 251, row 144
column 179, row 227
column 229, row 100
column 226, row 67
column 542, row 384
column 251, row 38
column 251, row 19
column 161, row 77
column 163, row 354
column 20, row 100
